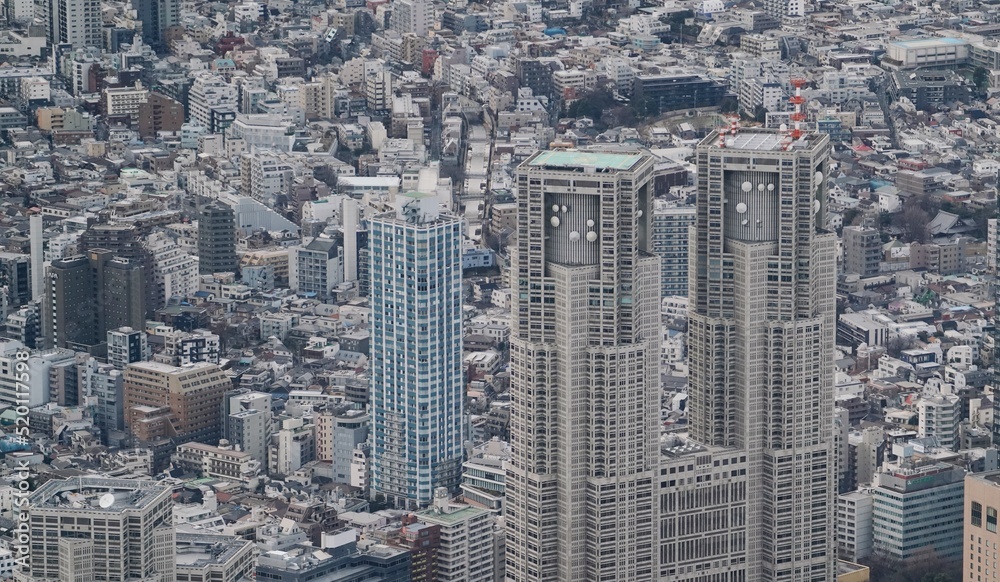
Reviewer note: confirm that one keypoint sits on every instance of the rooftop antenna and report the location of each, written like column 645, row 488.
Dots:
column 106, row 500
column 797, row 115
column 734, row 128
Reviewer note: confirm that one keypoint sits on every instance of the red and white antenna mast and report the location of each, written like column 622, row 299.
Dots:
column 734, row 128
column 797, row 115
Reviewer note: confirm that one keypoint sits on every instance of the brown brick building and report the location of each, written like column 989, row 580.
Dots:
column 163, row 401
column 159, row 113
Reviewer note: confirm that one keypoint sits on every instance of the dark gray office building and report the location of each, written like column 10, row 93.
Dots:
column 15, row 274
column 156, row 17
column 673, row 92
column 85, row 296
column 217, row 240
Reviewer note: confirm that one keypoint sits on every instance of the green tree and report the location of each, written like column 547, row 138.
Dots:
column 592, row 104
column 729, row 104
column 619, row 116
column 851, row 215
column 917, row 213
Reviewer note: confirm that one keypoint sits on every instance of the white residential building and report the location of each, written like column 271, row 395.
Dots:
column 124, row 101
column 621, row 72
column 378, row 89
column 209, row 99
column 264, row 132
column 854, row 525
column 292, row 446
column 412, row 16
column 264, row 177
column 77, row 22
column 417, row 376
column 940, row 416
column 175, row 271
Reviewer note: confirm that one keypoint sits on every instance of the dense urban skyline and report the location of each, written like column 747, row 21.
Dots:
column 517, row 291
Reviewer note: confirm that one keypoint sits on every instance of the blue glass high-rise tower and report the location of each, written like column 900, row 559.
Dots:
column 416, row 356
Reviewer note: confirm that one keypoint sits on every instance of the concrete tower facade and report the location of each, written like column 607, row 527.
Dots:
column 670, row 241
column 412, row 16
column 418, row 387
column 37, row 255
column 862, row 251
column 584, row 371
column 761, row 339
column 77, row 22
column 156, row 17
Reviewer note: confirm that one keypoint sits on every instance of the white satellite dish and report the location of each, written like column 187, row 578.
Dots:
column 106, row 500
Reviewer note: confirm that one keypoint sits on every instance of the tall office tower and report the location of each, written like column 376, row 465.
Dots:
column 127, row 345
column 412, row 16
column 418, row 389
column 92, row 528
column 77, row 22
column 127, row 241
column 670, row 242
column 585, row 388
column 761, row 327
column 217, row 239
column 156, row 16
column 87, row 296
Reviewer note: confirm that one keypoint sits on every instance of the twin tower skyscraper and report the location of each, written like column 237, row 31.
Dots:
column 593, row 493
